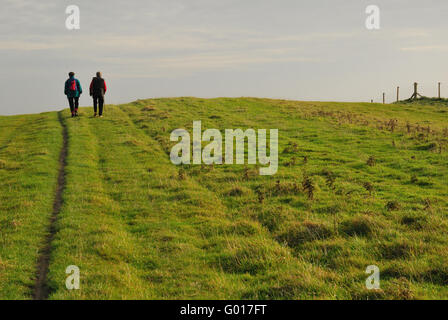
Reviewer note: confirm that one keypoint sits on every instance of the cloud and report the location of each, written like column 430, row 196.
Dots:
column 167, row 67
column 20, row 45
column 171, row 38
column 426, row 48
column 412, row 33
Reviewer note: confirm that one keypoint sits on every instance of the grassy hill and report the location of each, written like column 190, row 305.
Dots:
column 358, row 184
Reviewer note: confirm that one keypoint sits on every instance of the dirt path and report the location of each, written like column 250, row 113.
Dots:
column 41, row 290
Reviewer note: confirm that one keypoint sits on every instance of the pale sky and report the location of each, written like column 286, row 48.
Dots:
column 292, row 49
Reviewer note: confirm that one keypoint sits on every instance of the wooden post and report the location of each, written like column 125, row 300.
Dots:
column 398, row 94
column 415, row 95
column 384, row 98
column 439, row 90
column 371, row 101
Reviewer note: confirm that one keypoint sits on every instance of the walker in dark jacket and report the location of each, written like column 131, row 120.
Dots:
column 97, row 90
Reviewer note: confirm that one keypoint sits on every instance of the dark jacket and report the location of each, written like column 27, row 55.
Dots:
column 70, row 93
column 98, row 87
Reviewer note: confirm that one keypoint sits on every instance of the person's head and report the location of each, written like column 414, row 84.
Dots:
column 71, row 74
column 98, row 74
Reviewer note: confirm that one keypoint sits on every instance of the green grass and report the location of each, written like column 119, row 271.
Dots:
column 140, row 227
column 29, row 153
column 425, row 101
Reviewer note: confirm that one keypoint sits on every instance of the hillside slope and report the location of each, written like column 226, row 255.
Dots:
column 357, row 185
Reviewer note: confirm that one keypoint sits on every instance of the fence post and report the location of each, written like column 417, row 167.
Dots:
column 384, row 98
column 398, row 94
column 439, row 90
column 415, row 95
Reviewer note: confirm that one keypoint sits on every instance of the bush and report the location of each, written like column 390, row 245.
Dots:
column 308, row 187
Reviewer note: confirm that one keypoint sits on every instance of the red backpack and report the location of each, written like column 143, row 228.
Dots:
column 73, row 86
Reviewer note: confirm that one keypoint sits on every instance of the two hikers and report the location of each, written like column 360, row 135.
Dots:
column 73, row 91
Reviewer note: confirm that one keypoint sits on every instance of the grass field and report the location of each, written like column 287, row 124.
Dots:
column 358, row 184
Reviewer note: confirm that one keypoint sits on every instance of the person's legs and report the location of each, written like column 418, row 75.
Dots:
column 95, row 103
column 76, row 105
column 101, row 104
column 71, row 102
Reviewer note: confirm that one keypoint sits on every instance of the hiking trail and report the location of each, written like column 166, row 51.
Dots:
column 41, row 290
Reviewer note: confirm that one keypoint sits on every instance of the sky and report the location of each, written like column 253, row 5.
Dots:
column 290, row 49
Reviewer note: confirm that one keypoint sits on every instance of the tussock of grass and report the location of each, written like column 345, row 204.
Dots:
column 273, row 218
column 298, row 233
column 398, row 250
column 360, row 225
column 393, row 205
column 415, row 221
column 251, row 257
column 10, row 165
column 400, row 289
column 237, row 191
